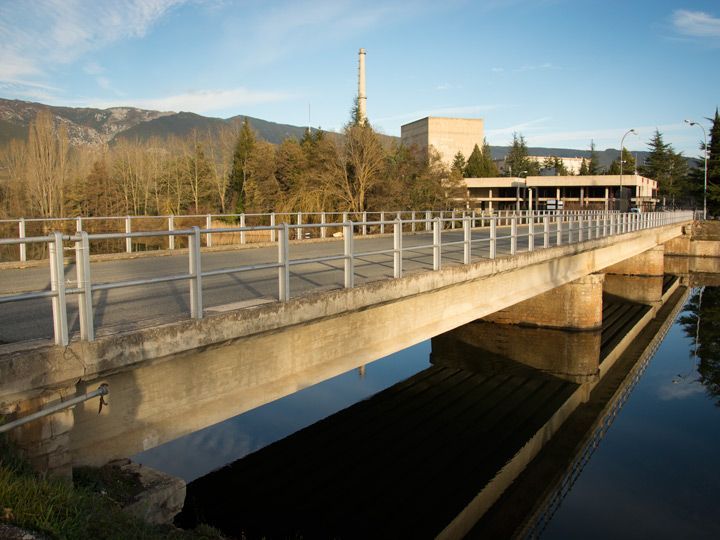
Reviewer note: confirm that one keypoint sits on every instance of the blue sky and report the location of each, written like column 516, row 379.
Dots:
column 561, row 72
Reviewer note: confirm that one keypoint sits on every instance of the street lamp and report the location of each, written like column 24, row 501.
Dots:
column 622, row 142
column 705, row 151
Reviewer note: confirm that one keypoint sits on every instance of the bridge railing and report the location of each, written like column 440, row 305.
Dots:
column 24, row 228
column 477, row 237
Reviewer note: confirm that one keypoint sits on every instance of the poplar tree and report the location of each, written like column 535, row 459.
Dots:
column 241, row 159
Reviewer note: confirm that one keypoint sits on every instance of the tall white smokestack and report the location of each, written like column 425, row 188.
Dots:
column 362, row 97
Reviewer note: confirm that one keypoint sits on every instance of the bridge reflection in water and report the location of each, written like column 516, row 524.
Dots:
column 431, row 455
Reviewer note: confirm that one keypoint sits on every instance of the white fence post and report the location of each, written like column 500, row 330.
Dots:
column 397, row 248
column 348, row 253
column 513, row 234
column 299, row 234
column 57, row 285
column 84, row 283
column 21, row 235
column 284, row 263
column 546, row 231
column 171, row 227
column 273, row 232
column 437, row 239
column 467, row 240
column 382, row 222
column 323, row 231
column 364, row 225
column 242, row 224
column 208, row 226
column 195, row 268
column 531, row 232
column 428, row 223
column 128, row 230
column 493, row 237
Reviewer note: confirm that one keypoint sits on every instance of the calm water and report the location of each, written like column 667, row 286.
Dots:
column 654, row 475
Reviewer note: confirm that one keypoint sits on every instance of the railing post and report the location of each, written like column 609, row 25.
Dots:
column 382, row 222
column 397, row 248
column 546, row 231
column 242, row 225
column 452, row 219
column 284, row 263
column 21, row 235
column 78, row 224
column 84, row 283
column 323, row 232
column 171, row 227
column 581, row 224
column 364, row 225
column 493, row 237
column 299, row 234
column 467, row 240
column 412, row 221
column 473, row 222
column 558, row 238
column 428, row 224
column 208, row 226
column 437, row 239
column 531, row 232
column 195, row 269
column 273, row 232
column 57, row 285
column 345, row 217
column 604, row 224
column 128, row 230
column 513, row 235
column 348, row 253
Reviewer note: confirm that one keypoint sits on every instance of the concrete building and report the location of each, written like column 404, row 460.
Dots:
column 600, row 192
column 446, row 135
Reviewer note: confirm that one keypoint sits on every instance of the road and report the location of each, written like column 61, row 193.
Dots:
column 147, row 305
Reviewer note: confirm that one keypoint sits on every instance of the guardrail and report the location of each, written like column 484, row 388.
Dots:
column 539, row 229
column 18, row 228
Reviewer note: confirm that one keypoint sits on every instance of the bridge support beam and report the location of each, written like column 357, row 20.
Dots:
column 572, row 356
column 648, row 263
column 576, row 305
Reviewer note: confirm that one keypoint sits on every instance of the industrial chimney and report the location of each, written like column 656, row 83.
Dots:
column 362, row 97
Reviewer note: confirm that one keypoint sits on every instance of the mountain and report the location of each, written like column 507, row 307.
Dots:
column 605, row 157
column 88, row 126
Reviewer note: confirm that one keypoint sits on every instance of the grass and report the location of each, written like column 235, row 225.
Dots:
column 63, row 511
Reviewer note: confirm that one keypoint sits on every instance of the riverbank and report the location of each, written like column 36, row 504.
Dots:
column 51, row 508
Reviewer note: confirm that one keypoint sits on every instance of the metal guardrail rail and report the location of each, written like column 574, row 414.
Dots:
column 569, row 227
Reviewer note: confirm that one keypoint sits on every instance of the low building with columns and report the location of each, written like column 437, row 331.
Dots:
column 597, row 192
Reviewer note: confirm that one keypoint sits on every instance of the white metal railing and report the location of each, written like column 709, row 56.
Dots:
column 18, row 227
column 527, row 231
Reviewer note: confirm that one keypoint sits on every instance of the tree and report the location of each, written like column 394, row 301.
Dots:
column 474, row 167
column 241, row 158
column 666, row 166
column 713, row 179
column 628, row 163
column 516, row 161
column 459, row 163
column 490, row 169
column 47, row 160
column 584, row 170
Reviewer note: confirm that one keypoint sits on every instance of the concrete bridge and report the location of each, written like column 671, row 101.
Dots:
column 534, row 270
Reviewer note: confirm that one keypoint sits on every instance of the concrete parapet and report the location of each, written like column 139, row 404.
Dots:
column 649, row 263
column 576, row 305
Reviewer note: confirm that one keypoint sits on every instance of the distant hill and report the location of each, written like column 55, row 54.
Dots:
column 605, row 157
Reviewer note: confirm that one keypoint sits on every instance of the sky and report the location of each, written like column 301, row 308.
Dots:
column 559, row 72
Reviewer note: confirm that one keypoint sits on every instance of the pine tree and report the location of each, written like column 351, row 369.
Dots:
column 490, row 169
column 241, row 158
column 583, row 168
column 517, row 162
column 628, row 163
column 458, row 163
column 713, row 178
column 474, row 166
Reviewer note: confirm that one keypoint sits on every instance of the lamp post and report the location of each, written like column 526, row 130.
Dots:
column 517, row 192
column 705, row 151
column 622, row 142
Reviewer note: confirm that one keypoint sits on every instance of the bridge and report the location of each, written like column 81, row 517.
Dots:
column 295, row 312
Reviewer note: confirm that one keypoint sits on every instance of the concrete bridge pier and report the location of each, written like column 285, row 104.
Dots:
column 574, row 306
column 638, row 279
column 45, row 442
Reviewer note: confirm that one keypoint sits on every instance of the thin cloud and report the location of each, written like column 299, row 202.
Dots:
column 696, row 24
column 36, row 36
column 200, row 101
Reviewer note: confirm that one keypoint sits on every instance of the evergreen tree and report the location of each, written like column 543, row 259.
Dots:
column 517, row 162
column 583, row 168
column 458, row 163
column 668, row 167
column 490, row 169
column 474, row 166
column 628, row 163
column 241, row 158
column 713, row 178
column 594, row 164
